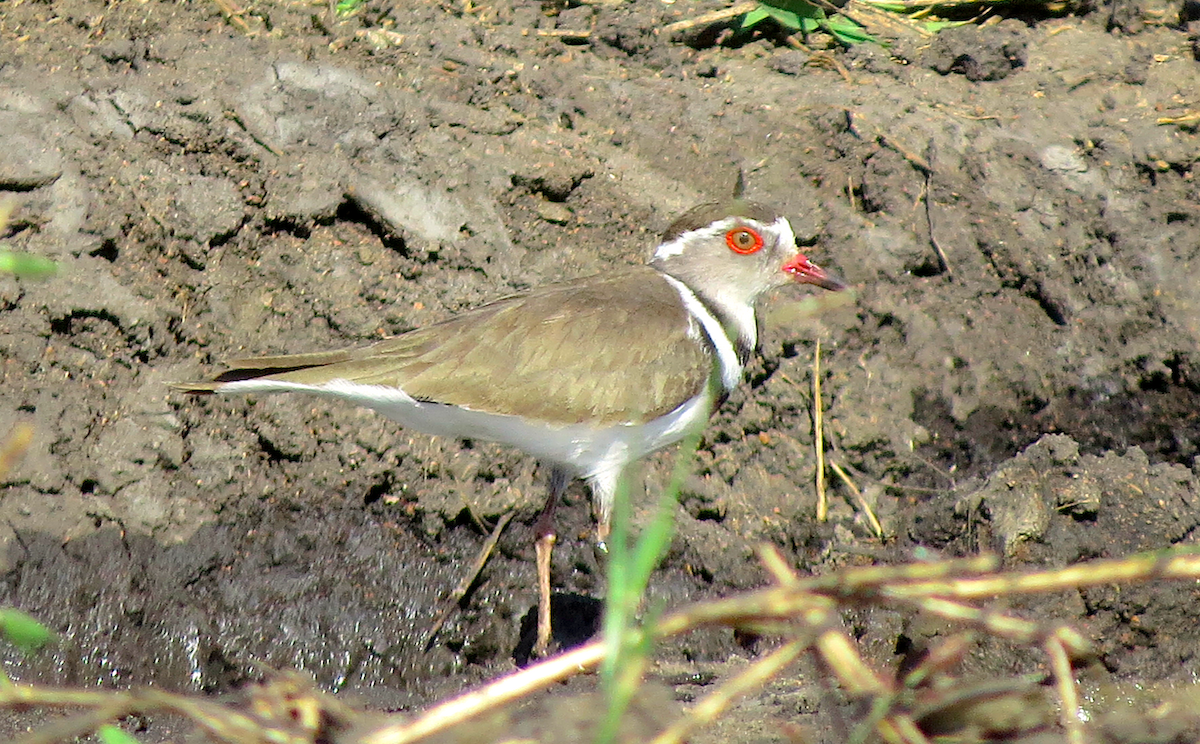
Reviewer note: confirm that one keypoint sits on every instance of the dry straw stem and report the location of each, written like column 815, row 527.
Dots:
column 714, row 704
column 286, row 711
column 804, row 610
column 1060, row 666
column 565, row 33
column 880, row 22
column 1188, row 118
column 822, row 489
column 714, row 17
column 234, row 14
column 819, row 435
column 920, row 7
column 876, row 527
column 464, row 584
column 1164, row 564
column 13, row 448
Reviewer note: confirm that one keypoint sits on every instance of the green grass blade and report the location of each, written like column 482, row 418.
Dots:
column 801, row 8
column 627, row 649
column 26, row 265
column 756, row 16
column 23, row 631
column 110, row 734
column 801, row 15
column 786, row 18
column 848, row 32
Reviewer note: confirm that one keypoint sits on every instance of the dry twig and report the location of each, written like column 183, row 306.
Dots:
column 819, row 436
column 805, row 610
column 468, row 578
column 876, row 527
column 714, row 17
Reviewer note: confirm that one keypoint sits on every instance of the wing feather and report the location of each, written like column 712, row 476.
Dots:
column 612, row 349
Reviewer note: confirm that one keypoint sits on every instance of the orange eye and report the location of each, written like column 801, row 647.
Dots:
column 743, row 240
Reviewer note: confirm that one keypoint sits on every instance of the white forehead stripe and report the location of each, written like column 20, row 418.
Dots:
column 731, row 366
column 784, row 228
column 674, row 247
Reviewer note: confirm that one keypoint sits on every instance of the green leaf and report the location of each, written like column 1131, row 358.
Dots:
column 848, row 32
column 754, row 17
column 630, row 563
column 346, row 7
column 801, row 15
column 932, row 26
column 23, row 631
column 799, row 7
column 794, row 14
column 785, row 18
column 26, row 265
column 110, row 734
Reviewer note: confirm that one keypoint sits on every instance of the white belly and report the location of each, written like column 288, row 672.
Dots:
column 592, row 453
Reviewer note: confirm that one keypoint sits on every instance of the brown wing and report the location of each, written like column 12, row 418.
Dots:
column 610, row 349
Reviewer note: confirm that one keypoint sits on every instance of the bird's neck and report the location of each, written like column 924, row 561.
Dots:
column 739, row 321
column 737, row 317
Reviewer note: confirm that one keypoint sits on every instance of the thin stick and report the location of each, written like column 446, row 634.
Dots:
column 565, row 33
column 1068, row 695
column 504, row 690
column 707, row 18
column 1145, row 566
column 1188, row 118
column 819, row 436
column 468, row 579
column 233, row 13
column 933, row 241
column 858, row 497
column 776, row 565
column 804, row 607
column 74, row 727
column 714, row 704
column 856, row 678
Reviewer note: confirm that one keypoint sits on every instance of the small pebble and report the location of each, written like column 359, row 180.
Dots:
column 554, row 212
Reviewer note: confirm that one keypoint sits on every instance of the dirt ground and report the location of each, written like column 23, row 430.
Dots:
column 1017, row 370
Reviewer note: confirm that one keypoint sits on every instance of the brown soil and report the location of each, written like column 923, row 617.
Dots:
column 1022, row 233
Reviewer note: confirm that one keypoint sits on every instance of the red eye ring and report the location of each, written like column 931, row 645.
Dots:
column 743, row 240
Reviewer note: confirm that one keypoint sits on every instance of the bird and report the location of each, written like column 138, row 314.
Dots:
column 588, row 376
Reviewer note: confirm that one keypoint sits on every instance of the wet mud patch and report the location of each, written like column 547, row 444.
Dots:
column 1160, row 420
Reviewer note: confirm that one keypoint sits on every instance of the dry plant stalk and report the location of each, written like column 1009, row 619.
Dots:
column 234, row 14
column 13, row 448
column 1182, row 119
column 285, row 710
column 880, row 22
column 464, row 584
column 710, row 707
column 819, row 436
column 804, row 610
column 715, row 16
column 868, row 512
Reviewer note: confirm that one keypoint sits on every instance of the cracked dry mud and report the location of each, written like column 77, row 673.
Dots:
column 1018, row 370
